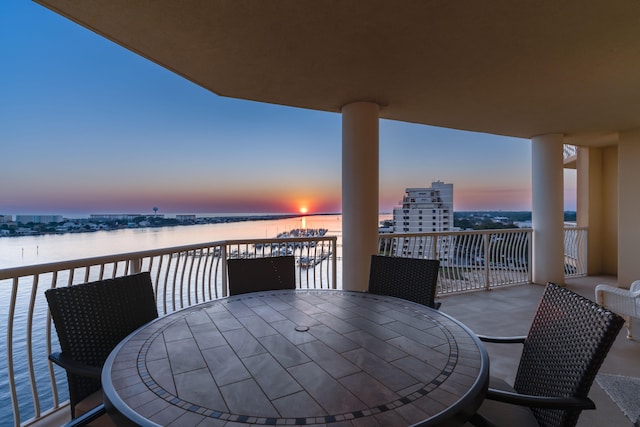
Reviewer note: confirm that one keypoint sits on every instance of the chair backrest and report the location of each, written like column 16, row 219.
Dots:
column 261, row 274
column 569, row 339
column 412, row 279
column 92, row 318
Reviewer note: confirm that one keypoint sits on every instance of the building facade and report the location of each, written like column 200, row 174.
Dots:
column 186, row 218
column 39, row 219
column 425, row 210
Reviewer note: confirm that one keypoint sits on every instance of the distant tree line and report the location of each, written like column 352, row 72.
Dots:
column 488, row 220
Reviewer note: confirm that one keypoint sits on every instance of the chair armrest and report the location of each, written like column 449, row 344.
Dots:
column 88, row 417
column 502, row 340
column 627, row 293
column 540, row 401
column 619, row 300
column 75, row 367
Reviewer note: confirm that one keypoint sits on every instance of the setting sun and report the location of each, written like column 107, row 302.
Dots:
column 303, row 210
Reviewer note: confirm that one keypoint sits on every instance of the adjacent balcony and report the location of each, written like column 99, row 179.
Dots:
column 497, row 260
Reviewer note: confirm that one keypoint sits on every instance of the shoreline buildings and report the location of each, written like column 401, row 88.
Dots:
column 36, row 219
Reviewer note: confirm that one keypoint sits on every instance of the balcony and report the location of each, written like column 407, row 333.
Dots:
column 187, row 275
column 472, row 95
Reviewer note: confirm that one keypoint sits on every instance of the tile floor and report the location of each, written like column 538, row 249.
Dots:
column 508, row 311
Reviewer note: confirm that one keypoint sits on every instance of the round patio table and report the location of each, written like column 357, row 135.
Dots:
column 298, row 357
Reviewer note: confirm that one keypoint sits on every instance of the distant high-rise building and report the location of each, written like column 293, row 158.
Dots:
column 424, row 210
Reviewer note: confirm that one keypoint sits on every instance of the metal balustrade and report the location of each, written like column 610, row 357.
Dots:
column 191, row 274
column 569, row 151
column 468, row 260
column 575, row 251
column 182, row 276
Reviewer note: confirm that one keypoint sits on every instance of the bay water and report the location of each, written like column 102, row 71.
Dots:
column 41, row 249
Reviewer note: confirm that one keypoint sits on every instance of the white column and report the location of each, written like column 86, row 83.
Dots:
column 360, row 162
column 547, row 213
column 628, row 207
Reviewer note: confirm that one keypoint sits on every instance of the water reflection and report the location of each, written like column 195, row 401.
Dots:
column 30, row 250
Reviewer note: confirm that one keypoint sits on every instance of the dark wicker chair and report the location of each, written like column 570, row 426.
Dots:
column 261, row 274
column 569, row 339
column 408, row 278
column 91, row 319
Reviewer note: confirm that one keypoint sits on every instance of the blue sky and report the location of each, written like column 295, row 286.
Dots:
column 87, row 127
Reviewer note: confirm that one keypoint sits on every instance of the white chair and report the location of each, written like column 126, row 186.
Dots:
column 622, row 301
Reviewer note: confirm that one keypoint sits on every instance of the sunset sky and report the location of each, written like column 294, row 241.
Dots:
column 89, row 127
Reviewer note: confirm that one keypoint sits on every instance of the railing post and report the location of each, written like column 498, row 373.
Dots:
column 434, row 246
column 135, row 265
column 485, row 242
column 224, row 256
column 12, row 377
column 529, row 256
column 334, row 259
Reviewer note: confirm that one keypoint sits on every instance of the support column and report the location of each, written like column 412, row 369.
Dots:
column 360, row 164
column 628, row 207
column 547, row 213
column 590, row 204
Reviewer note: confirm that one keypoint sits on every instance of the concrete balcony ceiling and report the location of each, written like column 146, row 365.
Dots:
column 517, row 68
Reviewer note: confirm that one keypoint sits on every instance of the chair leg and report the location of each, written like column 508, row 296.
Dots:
column 88, row 417
column 628, row 323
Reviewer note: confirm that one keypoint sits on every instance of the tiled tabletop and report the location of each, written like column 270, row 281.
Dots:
column 319, row 358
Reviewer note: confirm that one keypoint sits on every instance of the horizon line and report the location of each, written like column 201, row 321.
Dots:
column 223, row 214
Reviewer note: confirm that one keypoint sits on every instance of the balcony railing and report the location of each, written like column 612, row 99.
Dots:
column 468, row 260
column 182, row 276
column 569, row 151
column 188, row 275
column 575, row 251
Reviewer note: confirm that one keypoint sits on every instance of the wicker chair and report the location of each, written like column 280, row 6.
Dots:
column 568, row 340
column 624, row 302
column 90, row 320
column 408, row 278
column 261, row 274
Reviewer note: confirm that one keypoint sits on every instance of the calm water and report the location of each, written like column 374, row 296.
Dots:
column 30, row 250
